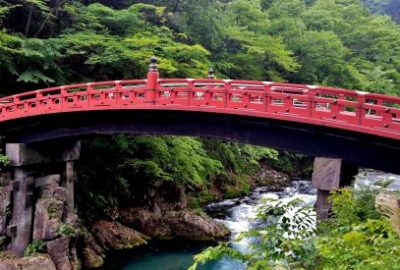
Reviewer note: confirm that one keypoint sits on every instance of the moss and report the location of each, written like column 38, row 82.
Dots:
column 66, row 229
column 37, row 246
column 53, row 210
column 193, row 203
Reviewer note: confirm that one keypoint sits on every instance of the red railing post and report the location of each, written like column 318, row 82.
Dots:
column 152, row 81
column 312, row 93
column 360, row 112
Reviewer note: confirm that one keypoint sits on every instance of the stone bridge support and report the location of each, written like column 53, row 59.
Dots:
column 39, row 171
column 328, row 175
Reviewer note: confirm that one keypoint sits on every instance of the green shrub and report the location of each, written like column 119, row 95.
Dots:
column 371, row 244
column 66, row 229
column 350, row 207
column 53, row 210
column 37, row 246
column 4, row 161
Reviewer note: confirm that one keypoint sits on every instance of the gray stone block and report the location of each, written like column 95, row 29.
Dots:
column 49, row 180
column 326, row 173
column 28, row 154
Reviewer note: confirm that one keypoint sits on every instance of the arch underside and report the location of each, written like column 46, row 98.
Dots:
column 362, row 149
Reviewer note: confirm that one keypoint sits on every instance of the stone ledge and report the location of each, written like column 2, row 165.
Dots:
column 21, row 154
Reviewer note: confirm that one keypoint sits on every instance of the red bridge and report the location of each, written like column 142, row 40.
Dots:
column 312, row 119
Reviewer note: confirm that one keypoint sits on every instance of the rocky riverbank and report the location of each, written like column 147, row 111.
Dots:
column 137, row 226
column 63, row 242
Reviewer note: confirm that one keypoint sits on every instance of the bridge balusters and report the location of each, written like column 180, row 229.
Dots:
column 387, row 118
column 311, row 101
column 335, row 106
column 191, row 90
column 360, row 111
column 62, row 97
column 267, row 99
column 227, row 87
column 207, row 95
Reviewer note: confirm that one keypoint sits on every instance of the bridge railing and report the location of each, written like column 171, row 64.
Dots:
column 339, row 108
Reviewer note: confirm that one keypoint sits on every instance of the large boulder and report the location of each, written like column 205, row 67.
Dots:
column 196, row 227
column 274, row 180
column 167, row 196
column 93, row 254
column 48, row 215
column 34, row 262
column 114, row 236
column 5, row 203
column 147, row 222
column 58, row 250
column 91, row 259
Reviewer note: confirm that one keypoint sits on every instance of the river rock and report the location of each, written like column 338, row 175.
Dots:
column 274, row 180
column 5, row 202
column 114, row 236
column 91, row 259
column 195, row 227
column 34, row 262
column 146, row 221
column 93, row 254
column 167, row 196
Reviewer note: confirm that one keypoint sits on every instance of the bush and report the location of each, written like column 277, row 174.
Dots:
column 37, row 246
column 66, row 229
column 371, row 244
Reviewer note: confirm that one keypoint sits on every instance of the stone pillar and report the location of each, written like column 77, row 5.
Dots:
column 68, row 183
column 20, row 229
column 328, row 175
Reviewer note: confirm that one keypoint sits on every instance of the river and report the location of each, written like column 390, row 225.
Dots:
column 239, row 216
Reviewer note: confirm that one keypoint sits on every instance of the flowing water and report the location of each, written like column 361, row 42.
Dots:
column 239, row 216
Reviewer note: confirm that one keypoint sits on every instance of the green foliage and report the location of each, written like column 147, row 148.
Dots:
column 328, row 42
column 349, row 208
column 358, row 236
column 118, row 171
column 4, row 161
column 133, row 164
column 34, row 247
column 291, row 163
column 66, row 230
column 370, row 245
column 53, row 210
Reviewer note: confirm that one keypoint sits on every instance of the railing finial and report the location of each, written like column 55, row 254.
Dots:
column 153, row 64
column 211, row 74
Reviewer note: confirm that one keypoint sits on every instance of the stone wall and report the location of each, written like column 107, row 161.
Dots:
column 37, row 207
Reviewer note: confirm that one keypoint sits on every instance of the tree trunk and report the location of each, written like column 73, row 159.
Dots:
column 28, row 23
